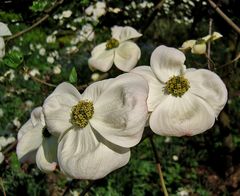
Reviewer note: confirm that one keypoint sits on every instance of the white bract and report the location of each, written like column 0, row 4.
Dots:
column 199, row 46
column 182, row 101
column 4, row 31
column 118, row 50
column 36, row 144
column 98, row 127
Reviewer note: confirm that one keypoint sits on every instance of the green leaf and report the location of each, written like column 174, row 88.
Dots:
column 14, row 162
column 38, row 5
column 73, row 76
column 13, row 59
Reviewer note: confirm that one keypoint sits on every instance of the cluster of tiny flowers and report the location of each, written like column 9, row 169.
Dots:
column 89, row 135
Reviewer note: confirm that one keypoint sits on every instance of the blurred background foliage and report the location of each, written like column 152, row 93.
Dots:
column 57, row 49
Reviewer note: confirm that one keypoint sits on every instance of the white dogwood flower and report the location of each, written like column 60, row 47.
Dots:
column 118, row 50
column 36, row 144
column 98, row 127
column 4, row 31
column 182, row 101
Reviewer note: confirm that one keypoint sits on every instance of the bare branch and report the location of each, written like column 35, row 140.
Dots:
column 224, row 16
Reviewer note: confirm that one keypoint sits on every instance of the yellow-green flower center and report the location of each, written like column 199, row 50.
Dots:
column 81, row 113
column 177, row 86
column 112, row 43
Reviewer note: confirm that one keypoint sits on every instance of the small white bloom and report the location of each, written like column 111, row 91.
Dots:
column 183, row 102
column 97, row 128
column 10, row 74
column 1, row 112
column 57, row 69
column 183, row 192
column 97, row 10
column 95, row 76
column 67, row 13
column 42, row 51
column 31, row 46
column 118, row 50
column 50, row 59
column 175, row 157
column 168, row 140
column 1, row 157
column 29, row 104
column 16, row 122
column 71, row 49
column 51, row 39
column 34, row 72
column 114, row 10
column 36, row 144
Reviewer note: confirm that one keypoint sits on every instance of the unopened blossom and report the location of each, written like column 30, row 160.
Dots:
column 36, row 144
column 1, row 112
column 118, row 50
column 181, row 101
column 97, row 128
column 199, row 46
column 4, row 31
column 16, row 122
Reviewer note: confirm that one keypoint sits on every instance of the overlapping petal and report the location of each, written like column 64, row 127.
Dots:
column 167, row 62
column 30, row 136
column 208, row 86
column 46, row 157
column 185, row 116
column 81, row 155
column 127, row 56
column 120, row 113
column 128, row 33
column 4, row 30
column 155, row 95
column 57, row 108
column 101, row 58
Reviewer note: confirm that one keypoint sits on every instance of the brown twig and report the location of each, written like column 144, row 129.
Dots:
column 41, row 20
column 224, row 16
column 42, row 81
column 209, row 43
column 160, row 173
column 9, row 148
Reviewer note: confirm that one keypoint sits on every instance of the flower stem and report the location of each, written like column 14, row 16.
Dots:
column 160, row 173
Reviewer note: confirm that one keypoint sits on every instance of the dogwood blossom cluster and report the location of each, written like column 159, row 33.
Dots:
column 89, row 135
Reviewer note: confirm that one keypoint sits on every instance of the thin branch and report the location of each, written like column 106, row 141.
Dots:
column 153, row 15
column 27, row 29
column 231, row 62
column 2, row 186
column 209, row 43
column 87, row 188
column 160, row 173
column 224, row 16
column 68, row 188
column 9, row 148
column 42, row 81
column 41, row 20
